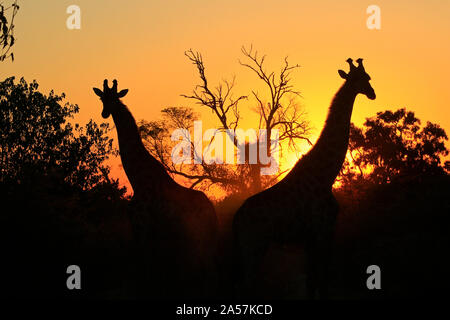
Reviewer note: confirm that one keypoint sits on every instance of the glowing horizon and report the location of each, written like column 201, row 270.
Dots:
column 142, row 45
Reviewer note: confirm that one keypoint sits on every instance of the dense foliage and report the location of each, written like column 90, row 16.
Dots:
column 36, row 136
column 392, row 146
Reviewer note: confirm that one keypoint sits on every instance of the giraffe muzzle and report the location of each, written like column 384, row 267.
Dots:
column 105, row 114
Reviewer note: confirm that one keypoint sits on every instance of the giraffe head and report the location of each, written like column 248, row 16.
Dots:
column 110, row 97
column 358, row 79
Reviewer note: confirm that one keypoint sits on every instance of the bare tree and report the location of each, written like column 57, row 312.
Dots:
column 282, row 112
column 220, row 100
column 8, row 12
column 156, row 136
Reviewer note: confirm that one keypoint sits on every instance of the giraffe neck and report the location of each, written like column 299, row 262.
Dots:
column 145, row 173
column 324, row 161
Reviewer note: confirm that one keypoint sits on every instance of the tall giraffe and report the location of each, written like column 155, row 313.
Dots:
column 174, row 227
column 301, row 208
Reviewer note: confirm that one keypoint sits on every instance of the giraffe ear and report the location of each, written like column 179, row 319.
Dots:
column 98, row 92
column 122, row 93
column 343, row 74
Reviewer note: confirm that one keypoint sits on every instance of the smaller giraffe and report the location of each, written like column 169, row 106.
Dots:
column 301, row 208
column 174, row 228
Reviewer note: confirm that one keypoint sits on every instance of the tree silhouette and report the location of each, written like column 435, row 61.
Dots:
column 58, row 202
column 394, row 145
column 8, row 12
column 157, row 138
column 36, row 137
column 282, row 112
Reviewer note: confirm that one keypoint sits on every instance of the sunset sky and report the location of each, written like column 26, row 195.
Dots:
column 142, row 44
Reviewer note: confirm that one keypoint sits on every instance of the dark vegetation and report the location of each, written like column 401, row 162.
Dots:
column 60, row 207
column 395, row 207
column 401, row 227
column 8, row 11
column 277, row 107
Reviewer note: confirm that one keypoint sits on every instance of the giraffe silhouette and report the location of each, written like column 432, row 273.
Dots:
column 174, row 227
column 301, row 208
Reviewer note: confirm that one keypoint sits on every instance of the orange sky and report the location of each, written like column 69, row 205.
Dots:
column 141, row 43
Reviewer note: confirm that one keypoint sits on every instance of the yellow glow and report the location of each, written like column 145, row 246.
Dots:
column 141, row 43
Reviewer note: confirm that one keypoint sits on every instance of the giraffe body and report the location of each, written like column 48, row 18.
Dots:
column 174, row 227
column 301, row 208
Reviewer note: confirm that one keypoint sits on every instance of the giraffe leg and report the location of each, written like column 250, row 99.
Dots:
column 249, row 256
column 311, row 270
column 252, row 265
column 325, row 253
column 238, row 272
column 323, row 274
